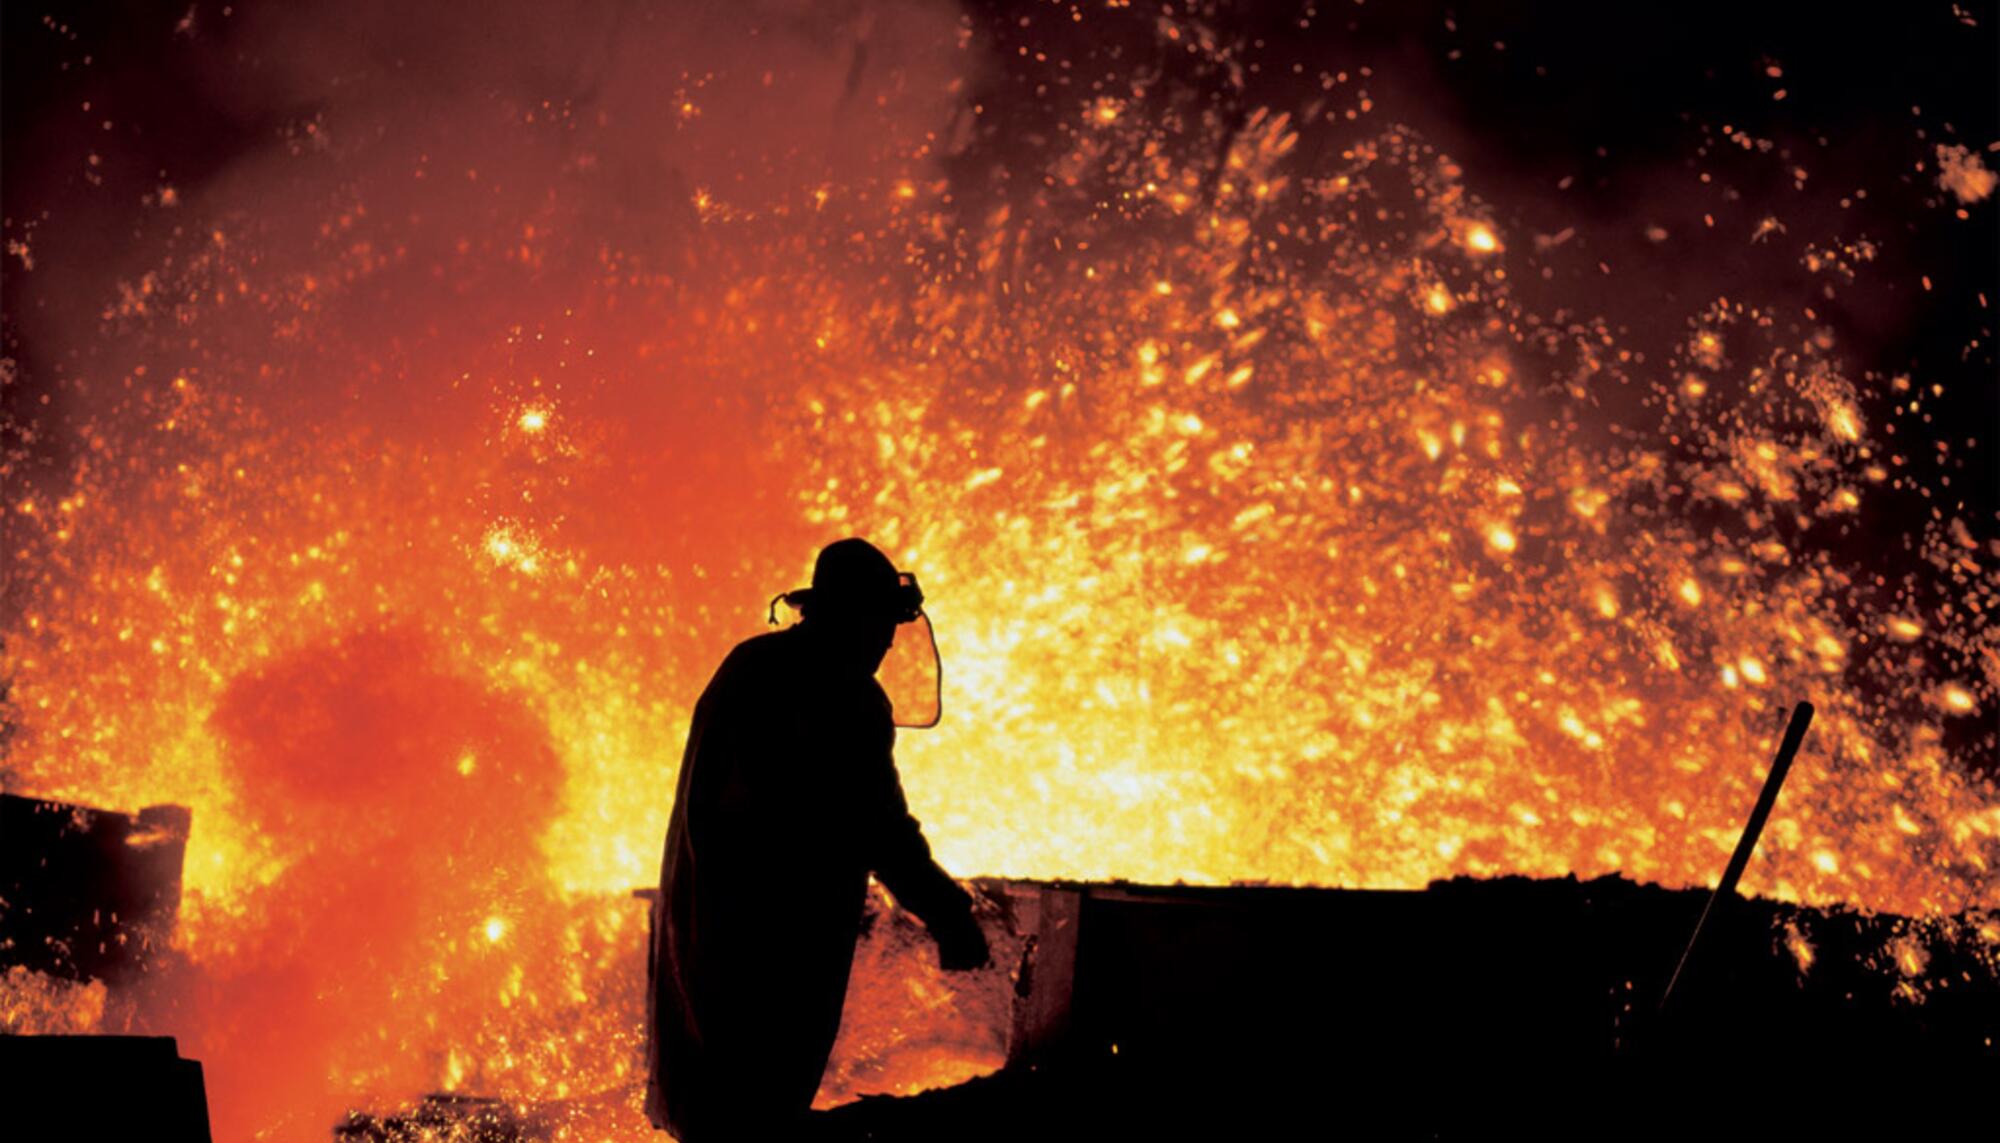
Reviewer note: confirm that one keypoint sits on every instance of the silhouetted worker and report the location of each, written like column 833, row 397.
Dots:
column 788, row 799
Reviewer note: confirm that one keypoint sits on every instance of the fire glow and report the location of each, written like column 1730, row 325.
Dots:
column 1266, row 540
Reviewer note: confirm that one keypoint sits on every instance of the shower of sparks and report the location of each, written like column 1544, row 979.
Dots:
column 1269, row 536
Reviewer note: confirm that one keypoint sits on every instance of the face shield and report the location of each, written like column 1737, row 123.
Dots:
column 911, row 672
column 912, row 675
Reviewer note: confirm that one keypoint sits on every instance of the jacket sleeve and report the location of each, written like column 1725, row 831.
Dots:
column 899, row 855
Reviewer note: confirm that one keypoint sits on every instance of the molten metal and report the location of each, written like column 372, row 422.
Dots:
column 1271, row 535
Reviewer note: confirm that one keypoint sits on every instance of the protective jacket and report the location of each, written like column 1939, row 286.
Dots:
column 788, row 798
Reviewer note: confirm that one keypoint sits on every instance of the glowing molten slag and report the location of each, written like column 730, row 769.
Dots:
column 1265, row 540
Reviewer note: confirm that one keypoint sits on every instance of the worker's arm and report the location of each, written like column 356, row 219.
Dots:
column 901, row 859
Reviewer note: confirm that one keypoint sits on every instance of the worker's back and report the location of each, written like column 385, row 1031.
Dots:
column 777, row 768
column 763, row 882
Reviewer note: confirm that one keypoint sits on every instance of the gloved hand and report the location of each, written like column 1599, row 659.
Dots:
column 961, row 945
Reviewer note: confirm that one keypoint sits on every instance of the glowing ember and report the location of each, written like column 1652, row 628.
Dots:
column 1964, row 173
column 1800, row 946
column 1480, row 239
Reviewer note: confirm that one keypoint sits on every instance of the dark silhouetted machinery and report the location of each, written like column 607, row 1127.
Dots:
column 91, row 895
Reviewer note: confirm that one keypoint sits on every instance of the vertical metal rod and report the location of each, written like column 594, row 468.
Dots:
column 1795, row 733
